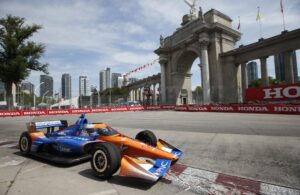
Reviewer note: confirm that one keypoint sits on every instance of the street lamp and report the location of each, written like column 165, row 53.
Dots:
column 44, row 95
column 109, row 97
column 34, row 94
column 99, row 103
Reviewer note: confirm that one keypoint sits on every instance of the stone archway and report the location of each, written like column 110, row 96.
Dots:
column 204, row 37
column 182, row 83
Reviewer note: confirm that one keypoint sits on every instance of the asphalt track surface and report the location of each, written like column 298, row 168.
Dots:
column 263, row 148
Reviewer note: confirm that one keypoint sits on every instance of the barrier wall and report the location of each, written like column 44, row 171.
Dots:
column 237, row 108
column 266, row 108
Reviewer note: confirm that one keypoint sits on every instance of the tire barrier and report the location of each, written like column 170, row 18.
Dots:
column 233, row 108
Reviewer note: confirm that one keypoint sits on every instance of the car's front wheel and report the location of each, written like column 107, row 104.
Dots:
column 106, row 160
column 147, row 137
column 25, row 143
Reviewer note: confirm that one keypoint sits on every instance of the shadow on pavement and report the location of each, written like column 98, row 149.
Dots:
column 124, row 181
column 49, row 162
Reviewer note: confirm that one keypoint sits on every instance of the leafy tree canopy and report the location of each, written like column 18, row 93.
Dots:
column 18, row 55
column 258, row 82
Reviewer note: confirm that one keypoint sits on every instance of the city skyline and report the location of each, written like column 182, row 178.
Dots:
column 79, row 41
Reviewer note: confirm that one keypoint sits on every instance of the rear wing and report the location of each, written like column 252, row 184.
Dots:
column 49, row 125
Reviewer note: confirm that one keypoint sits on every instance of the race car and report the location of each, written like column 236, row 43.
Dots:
column 108, row 150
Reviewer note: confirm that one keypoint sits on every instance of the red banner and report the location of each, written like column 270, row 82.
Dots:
column 167, row 107
column 274, row 93
column 98, row 110
column 135, row 108
column 239, row 108
column 59, row 112
column 152, row 107
column 34, row 112
column 80, row 111
column 119, row 109
column 236, row 108
column 10, row 113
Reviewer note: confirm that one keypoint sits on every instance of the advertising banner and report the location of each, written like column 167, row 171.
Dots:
column 80, row 111
column 135, row 108
column 34, row 112
column 152, row 107
column 10, row 113
column 98, row 110
column 234, row 108
column 274, row 93
column 119, row 109
column 59, row 112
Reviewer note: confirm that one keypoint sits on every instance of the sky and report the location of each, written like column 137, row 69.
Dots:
column 83, row 37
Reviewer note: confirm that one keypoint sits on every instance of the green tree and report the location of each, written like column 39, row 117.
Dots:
column 258, row 82
column 18, row 56
column 197, row 94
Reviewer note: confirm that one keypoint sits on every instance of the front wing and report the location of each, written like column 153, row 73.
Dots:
column 150, row 170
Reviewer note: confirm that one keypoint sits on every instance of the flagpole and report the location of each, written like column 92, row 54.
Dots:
column 260, row 31
column 283, row 19
column 240, row 30
column 259, row 20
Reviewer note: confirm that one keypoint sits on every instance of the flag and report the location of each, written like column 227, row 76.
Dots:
column 281, row 6
column 258, row 15
column 239, row 26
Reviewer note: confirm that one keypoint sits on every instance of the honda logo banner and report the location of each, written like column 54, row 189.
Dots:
column 274, row 93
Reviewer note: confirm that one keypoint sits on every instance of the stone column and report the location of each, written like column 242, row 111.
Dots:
column 142, row 95
column 244, row 80
column 163, row 60
column 154, row 95
column 264, row 71
column 135, row 95
column 139, row 94
column 131, row 95
column 288, row 66
column 204, row 41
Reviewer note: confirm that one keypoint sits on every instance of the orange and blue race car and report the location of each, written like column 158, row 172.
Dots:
column 144, row 157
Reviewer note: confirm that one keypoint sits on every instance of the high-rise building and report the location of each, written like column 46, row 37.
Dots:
column 104, row 79
column 252, row 71
column 46, row 89
column 66, row 86
column 84, row 87
column 114, row 79
column 27, row 87
column 280, row 66
column 120, row 81
column 108, row 81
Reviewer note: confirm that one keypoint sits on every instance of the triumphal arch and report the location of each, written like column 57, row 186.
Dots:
column 203, row 36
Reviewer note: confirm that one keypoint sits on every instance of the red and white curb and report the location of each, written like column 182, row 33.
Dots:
column 206, row 182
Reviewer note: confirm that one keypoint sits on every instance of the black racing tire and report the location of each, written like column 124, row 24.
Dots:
column 25, row 143
column 148, row 137
column 106, row 160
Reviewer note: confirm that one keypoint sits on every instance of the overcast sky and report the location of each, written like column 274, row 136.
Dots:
column 83, row 37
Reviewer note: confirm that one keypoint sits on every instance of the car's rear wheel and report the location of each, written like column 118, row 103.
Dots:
column 147, row 137
column 106, row 160
column 25, row 143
